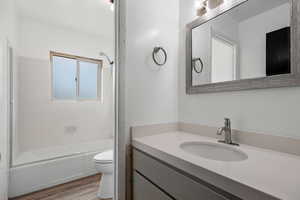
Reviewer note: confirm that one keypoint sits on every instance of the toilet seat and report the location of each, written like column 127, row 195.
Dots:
column 105, row 157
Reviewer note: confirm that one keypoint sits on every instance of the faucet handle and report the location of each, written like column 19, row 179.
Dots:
column 220, row 131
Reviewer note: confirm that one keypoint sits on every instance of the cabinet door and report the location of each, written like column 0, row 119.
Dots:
column 178, row 185
column 144, row 190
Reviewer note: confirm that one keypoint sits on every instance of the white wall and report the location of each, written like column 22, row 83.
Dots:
column 36, row 38
column 42, row 122
column 8, row 20
column 270, row 111
column 151, row 91
column 148, row 94
column 252, row 36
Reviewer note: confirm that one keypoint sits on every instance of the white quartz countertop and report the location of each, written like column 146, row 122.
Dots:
column 274, row 173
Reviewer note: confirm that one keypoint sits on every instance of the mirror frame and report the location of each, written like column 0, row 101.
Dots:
column 276, row 81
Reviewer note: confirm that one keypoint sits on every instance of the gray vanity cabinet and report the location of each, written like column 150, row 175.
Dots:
column 145, row 190
column 152, row 176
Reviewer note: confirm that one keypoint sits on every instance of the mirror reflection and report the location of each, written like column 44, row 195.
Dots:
column 249, row 41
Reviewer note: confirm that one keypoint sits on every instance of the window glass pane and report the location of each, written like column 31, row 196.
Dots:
column 64, row 78
column 88, row 80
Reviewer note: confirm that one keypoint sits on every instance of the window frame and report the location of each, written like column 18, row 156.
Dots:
column 78, row 59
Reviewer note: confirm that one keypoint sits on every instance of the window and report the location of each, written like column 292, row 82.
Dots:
column 75, row 78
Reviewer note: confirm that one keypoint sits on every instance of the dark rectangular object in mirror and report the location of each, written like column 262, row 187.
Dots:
column 278, row 52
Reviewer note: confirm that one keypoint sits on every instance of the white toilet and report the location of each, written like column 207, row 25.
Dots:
column 104, row 165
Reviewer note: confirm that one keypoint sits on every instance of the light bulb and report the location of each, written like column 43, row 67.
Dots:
column 197, row 4
column 112, row 7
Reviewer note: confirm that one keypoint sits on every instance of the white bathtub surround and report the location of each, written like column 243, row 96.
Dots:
column 49, row 119
column 61, row 151
column 41, row 122
column 104, row 164
column 264, row 173
column 61, row 165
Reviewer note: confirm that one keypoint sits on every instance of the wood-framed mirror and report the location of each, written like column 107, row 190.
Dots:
column 242, row 45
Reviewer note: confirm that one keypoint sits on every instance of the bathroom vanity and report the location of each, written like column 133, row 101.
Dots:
column 169, row 182
column 169, row 166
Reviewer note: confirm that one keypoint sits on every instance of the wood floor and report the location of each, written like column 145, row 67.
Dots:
column 83, row 189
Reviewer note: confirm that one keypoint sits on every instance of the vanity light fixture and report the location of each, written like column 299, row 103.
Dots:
column 208, row 5
column 112, row 6
column 212, row 4
column 201, row 9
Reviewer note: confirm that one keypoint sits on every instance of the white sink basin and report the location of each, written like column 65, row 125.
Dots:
column 214, row 151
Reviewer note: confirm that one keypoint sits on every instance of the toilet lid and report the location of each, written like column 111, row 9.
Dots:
column 106, row 156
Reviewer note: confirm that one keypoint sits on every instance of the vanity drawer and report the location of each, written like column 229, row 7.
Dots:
column 173, row 182
column 145, row 190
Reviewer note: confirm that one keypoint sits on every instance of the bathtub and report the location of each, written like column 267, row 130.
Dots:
column 44, row 168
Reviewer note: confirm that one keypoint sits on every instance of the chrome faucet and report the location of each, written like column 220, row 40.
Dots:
column 227, row 131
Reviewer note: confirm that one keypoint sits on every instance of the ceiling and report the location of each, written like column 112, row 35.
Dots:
column 89, row 16
column 255, row 7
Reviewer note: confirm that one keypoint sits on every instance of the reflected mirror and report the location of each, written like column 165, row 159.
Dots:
column 252, row 40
